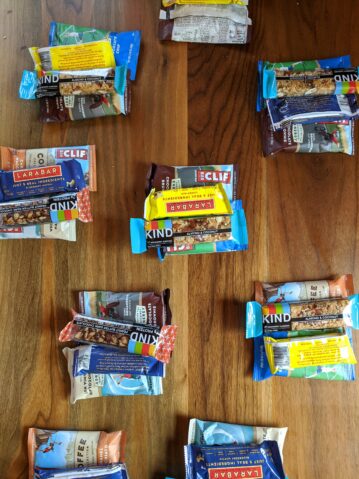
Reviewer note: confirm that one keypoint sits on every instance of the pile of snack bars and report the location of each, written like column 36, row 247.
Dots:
column 303, row 329
column 126, row 340
column 84, row 73
column 190, row 210
column 205, row 21
column 43, row 191
column 308, row 106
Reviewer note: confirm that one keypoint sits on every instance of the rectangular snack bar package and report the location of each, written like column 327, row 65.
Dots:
column 89, row 386
column 62, row 231
column 186, row 202
column 168, row 3
column 54, row 449
column 112, row 471
column 209, row 433
column 236, row 13
column 133, row 307
column 84, row 56
column 125, row 45
column 133, row 338
column 307, row 138
column 161, row 177
column 19, row 159
column 90, row 359
column 209, row 462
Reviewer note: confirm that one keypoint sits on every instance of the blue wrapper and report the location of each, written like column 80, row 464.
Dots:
column 112, row 471
column 62, row 178
column 225, row 462
column 125, row 45
column 103, row 360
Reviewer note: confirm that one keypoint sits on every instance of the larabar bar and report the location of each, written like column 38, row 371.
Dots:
column 187, row 202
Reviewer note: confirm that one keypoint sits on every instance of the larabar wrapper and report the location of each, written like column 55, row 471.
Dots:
column 54, row 449
column 13, row 159
column 340, row 287
column 186, row 202
column 134, row 338
column 83, row 56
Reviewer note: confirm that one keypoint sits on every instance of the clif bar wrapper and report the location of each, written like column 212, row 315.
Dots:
column 249, row 461
column 161, row 177
column 340, row 81
column 47, row 209
column 147, row 308
column 91, row 359
column 13, row 159
column 340, row 287
column 125, row 45
column 209, row 433
column 112, row 471
column 62, row 231
column 307, row 138
column 84, row 56
column 311, row 315
column 133, row 338
column 54, row 449
column 187, row 202
column 63, row 178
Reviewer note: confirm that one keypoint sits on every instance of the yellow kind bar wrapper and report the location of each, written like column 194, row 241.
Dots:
column 168, row 3
column 308, row 351
column 84, row 56
column 183, row 202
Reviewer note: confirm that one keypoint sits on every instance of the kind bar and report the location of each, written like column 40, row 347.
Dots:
column 168, row 3
column 250, row 461
column 340, row 287
column 48, row 209
column 135, row 308
column 18, row 184
column 307, row 138
column 125, row 45
column 62, row 231
column 162, row 177
column 74, row 57
column 209, row 433
column 50, row 449
column 12, row 159
column 112, row 471
column 279, row 83
column 133, row 338
column 322, row 350
column 186, row 202
column 102, row 385
column 90, row 359
column 182, row 232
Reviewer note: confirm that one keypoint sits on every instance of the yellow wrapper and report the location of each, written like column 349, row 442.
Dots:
column 184, row 202
column 308, row 351
column 168, row 3
column 84, row 56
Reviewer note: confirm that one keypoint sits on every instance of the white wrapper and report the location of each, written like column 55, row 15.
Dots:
column 65, row 230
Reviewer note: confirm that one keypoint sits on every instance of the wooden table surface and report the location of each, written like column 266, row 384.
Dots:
column 191, row 105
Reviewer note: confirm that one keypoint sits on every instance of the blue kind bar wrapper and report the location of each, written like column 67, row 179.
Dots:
column 18, row 184
column 112, row 471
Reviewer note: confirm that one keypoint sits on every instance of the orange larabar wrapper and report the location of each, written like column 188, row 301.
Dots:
column 184, row 202
column 54, row 449
column 340, row 287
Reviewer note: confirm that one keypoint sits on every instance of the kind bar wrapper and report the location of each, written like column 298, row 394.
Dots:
column 18, row 184
column 250, row 461
column 113, row 471
column 302, row 352
column 90, row 359
column 52, row 449
column 162, row 177
column 13, row 159
column 62, row 231
column 168, row 3
column 340, row 287
column 307, row 138
column 125, row 45
column 209, row 433
column 146, row 308
column 84, row 56
column 133, row 338
column 186, row 202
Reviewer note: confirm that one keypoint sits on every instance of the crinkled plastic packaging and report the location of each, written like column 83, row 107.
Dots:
column 112, row 471
column 62, row 231
column 168, row 3
column 125, row 45
column 56, row 449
